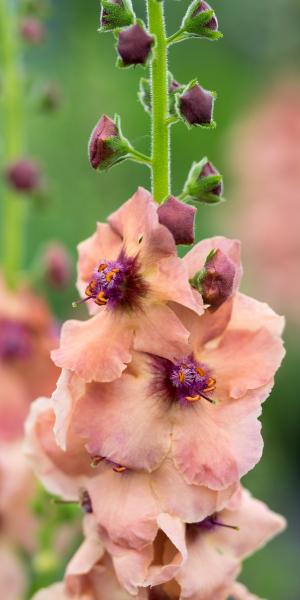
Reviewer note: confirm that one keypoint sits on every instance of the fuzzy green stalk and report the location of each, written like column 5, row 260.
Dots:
column 13, row 208
column 160, row 103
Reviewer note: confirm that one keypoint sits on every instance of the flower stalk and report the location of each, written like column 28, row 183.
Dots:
column 160, row 103
column 14, row 210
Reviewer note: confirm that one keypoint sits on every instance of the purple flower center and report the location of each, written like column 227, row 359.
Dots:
column 14, row 340
column 116, row 283
column 185, row 381
column 191, row 380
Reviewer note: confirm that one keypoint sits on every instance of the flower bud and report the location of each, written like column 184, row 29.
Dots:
column 134, row 45
column 196, row 105
column 106, row 145
column 201, row 21
column 24, row 175
column 216, row 280
column 204, row 183
column 57, row 266
column 179, row 218
column 32, row 30
column 116, row 14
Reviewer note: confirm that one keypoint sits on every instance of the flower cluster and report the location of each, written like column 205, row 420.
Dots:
column 154, row 419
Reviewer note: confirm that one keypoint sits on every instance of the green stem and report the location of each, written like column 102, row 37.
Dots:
column 14, row 209
column 178, row 36
column 160, row 103
column 140, row 157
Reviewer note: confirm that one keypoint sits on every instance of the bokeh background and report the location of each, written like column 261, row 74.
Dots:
column 261, row 46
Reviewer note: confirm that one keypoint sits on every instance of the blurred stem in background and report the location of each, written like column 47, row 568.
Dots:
column 160, row 104
column 14, row 209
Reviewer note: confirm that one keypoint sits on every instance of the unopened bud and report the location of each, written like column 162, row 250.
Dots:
column 32, row 30
column 196, row 105
column 57, row 265
column 179, row 218
column 106, row 145
column 116, row 14
column 215, row 281
column 204, row 183
column 24, row 175
column 201, row 21
column 134, row 45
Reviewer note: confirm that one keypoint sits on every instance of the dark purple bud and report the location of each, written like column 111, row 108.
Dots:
column 24, row 175
column 134, row 45
column 57, row 265
column 217, row 280
column 203, row 6
column 179, row 218
column 100, row 152
column 196, row 105
column 32, row 30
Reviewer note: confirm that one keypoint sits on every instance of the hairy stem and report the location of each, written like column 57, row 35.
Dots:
column 160, row 103
column 14, row 209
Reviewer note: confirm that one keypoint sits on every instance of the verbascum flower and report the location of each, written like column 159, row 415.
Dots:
column 214, row 549
column 128, row 274
column 27, row 334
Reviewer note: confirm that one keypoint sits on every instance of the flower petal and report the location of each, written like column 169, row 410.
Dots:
column 129, row 497
column 124, row 422
column 97, row 349
column 161, row 333
column 191, row 503
column 216, row 445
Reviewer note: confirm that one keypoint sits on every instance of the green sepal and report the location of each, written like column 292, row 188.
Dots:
column 144, row 94
column 118, row 148
column 200, row 189
column 118, row 16
column 196, row 25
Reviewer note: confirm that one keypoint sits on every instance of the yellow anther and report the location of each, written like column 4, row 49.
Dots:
column 181, row 377
column 211, row 385
column 102, row 267
column 119, row 469
column 193, row 398
column 101, row 300
column 200, row 372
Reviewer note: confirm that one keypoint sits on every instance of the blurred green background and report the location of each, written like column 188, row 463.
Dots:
column 261, row 39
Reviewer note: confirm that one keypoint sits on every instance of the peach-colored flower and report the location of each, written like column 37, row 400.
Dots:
column 13, row 580
column 17, row 487
column 129, row 272
column 202, row 408
column 139, row 499
column 265, row 164
column 27, row 335
column 214, row 549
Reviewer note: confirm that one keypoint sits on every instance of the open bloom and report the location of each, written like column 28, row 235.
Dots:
column 128, row 273
column 201, row 408
column 215, row 548
column 145, row 503
column 27, row 335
